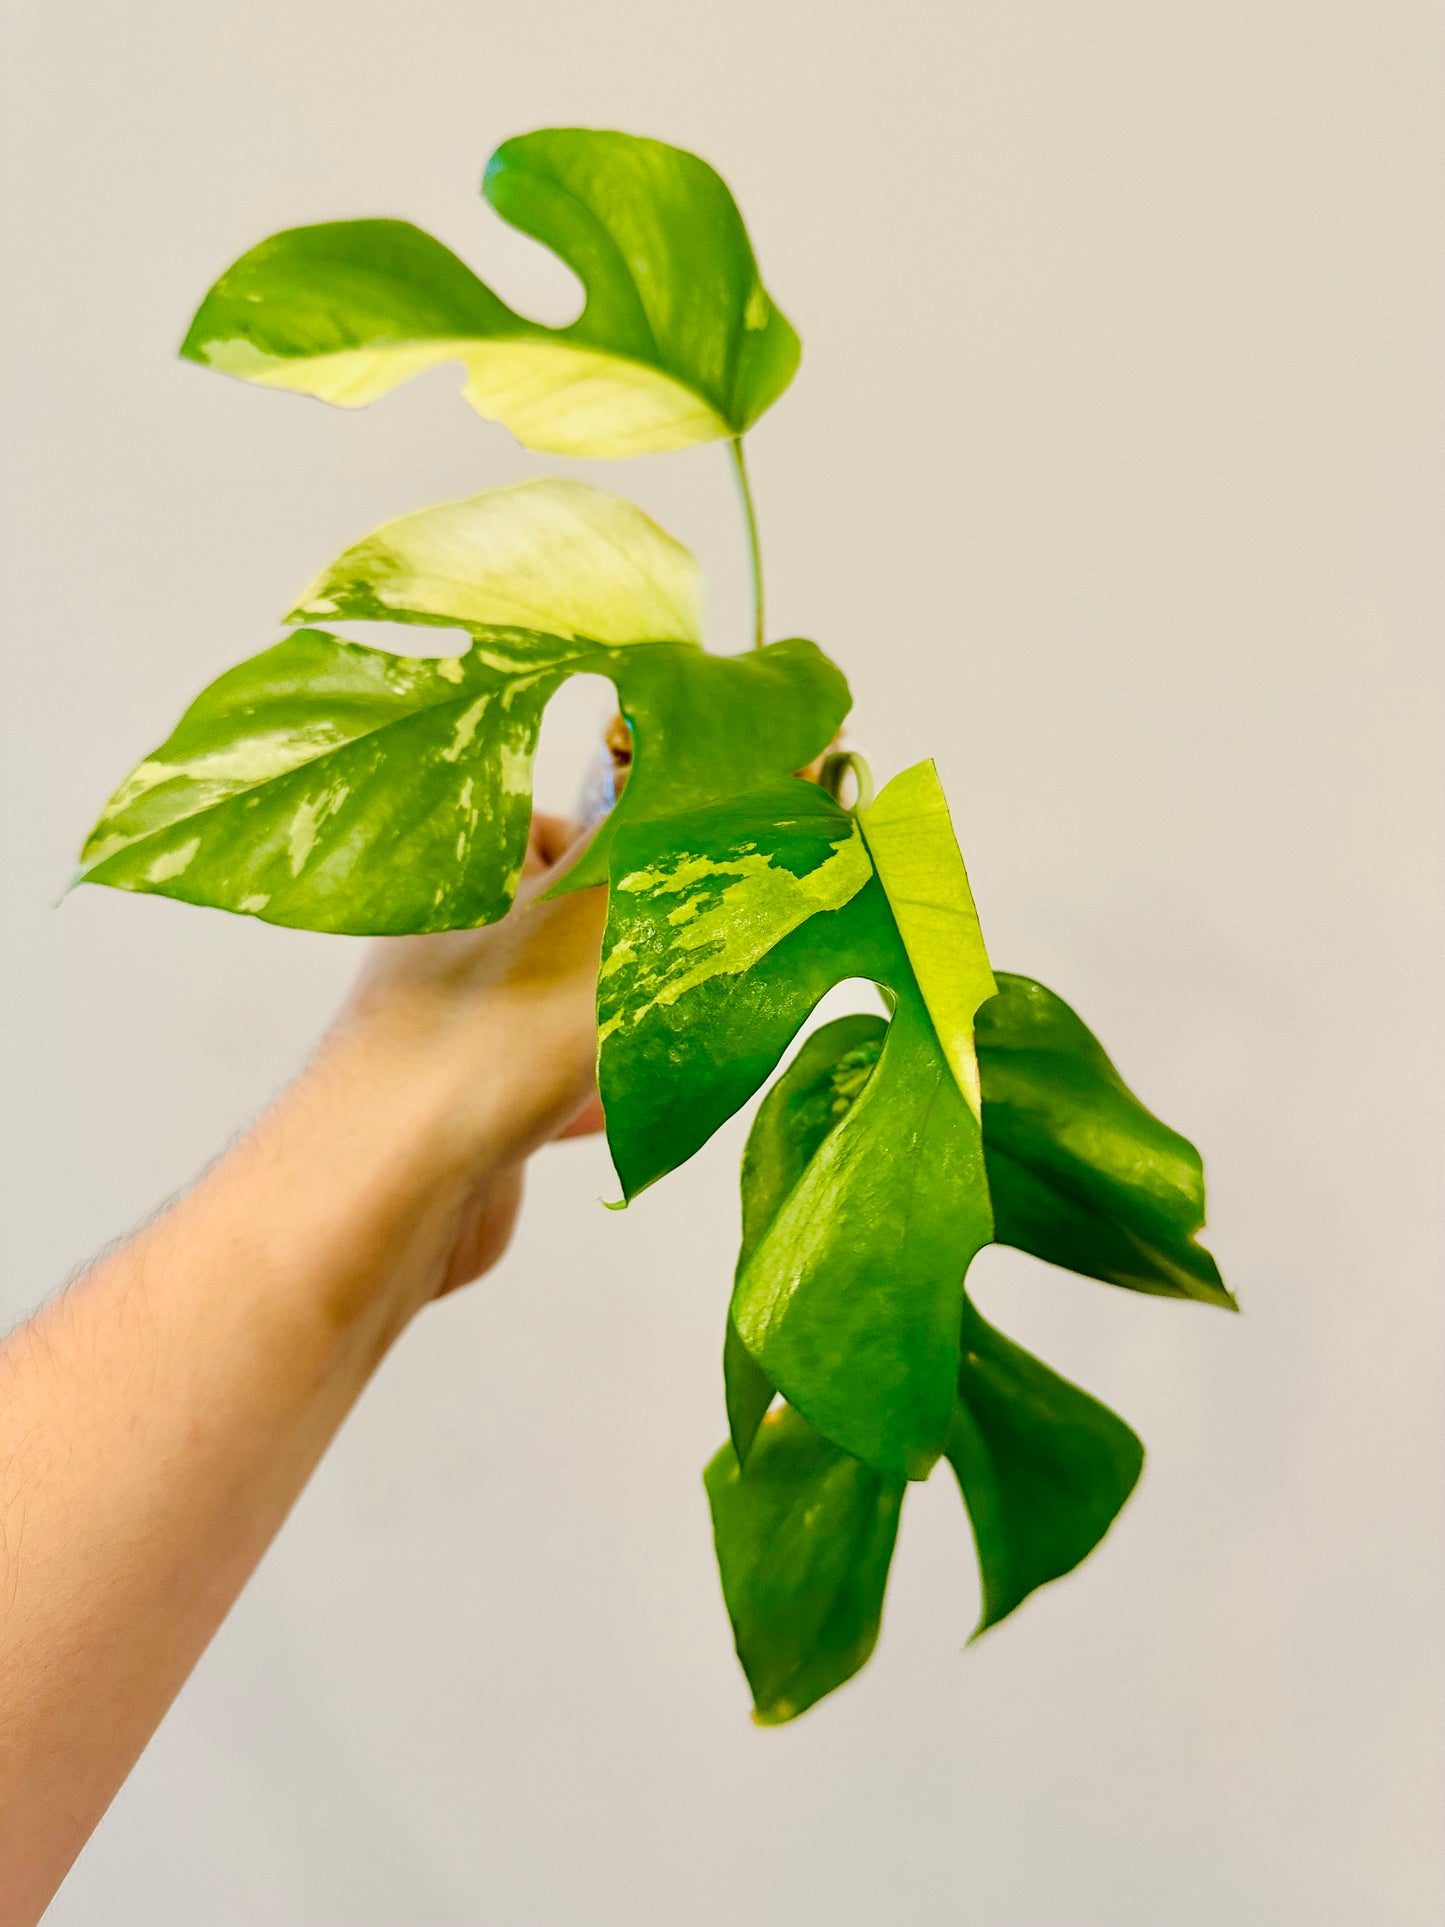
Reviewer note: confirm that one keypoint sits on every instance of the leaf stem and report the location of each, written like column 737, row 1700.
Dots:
column 755, row 551
column 838, row 765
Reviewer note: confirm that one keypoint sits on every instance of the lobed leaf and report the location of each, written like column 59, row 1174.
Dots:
column 716, row 952
column 1044, row 1469
column 678, row 341
column 1081, row 1174
column 335, row 787
column 804, row 1540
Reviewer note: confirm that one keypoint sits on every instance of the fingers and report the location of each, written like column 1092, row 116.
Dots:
column 588, row 1121
column 554, row 844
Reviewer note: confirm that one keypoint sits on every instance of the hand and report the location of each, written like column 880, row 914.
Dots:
column 499, row 1023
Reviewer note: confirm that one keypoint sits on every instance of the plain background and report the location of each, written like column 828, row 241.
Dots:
column 1113, row 477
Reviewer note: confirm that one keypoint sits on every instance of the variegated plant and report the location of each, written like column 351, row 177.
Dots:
column 334, row 787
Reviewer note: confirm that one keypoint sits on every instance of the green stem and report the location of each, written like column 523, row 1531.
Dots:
column 755, row 551
column 838, row 765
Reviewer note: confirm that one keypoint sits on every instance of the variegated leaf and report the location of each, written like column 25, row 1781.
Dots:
column 583, row 564
column 552, row 556
column 336, row 787
column 715, row 954
column 677, row 342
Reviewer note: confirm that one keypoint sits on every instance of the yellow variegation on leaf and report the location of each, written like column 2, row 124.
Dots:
column 678, row 341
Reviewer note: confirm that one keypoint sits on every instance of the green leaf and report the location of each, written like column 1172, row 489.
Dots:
column 1043, row 1468
column 799, row 1111
column 678, row 341
column 804, row 1540
column 725, row 928
column 335, row 787
column 577, row 563
column 1081, row 1174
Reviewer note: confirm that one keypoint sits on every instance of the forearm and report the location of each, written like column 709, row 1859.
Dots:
column 158, row 1420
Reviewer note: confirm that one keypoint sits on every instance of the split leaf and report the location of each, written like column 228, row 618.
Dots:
column 335, row 787
column 677, row 343
column 581, row 564
column 715, row 955
column 804, row 1539
column 1081, row 1174
column 1043, row 1468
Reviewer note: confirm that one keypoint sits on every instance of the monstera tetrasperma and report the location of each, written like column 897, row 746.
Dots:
column 335, row 787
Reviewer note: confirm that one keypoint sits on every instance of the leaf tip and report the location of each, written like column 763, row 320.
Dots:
column 775, row 1713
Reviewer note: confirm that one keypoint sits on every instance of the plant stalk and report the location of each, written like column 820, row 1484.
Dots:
column 755, row 551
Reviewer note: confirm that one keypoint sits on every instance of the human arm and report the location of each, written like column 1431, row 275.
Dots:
column 159, row 1418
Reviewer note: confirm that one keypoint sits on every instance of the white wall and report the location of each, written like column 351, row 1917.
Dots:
column 1113, row 477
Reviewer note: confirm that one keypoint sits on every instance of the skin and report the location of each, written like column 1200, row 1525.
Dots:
column 159, row 1419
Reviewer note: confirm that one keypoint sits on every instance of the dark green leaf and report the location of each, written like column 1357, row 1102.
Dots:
column 792, row 1121
column 1081, row 1173
column 725, row 929
column 804, row 1541
column 1043, row 1468
column 677, row 343
column 748, row 1391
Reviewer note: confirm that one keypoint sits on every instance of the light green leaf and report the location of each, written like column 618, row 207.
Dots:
column 702, row 726
column 1043, row 1468
column 335, row 787
column 804, row 1540
column 1081, row 1173
column 677, row 343
column 911, row 840
column 552, row 556
column 724, row 930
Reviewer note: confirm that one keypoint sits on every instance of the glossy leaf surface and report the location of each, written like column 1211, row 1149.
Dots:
column 1043, row 1468
column 677, row 343
column 1081, row 1173
column 335, row 787
column 715, row 954
column 800, row 1110
column 804, row 1539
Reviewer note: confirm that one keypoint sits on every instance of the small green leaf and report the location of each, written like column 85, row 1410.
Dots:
column 1044, row 1469
column 725, row 928
column 799, row 1111
column 804, row 1542
column 851, row 1300
column 677, row 343
column 1081, row 1174
column 334, row 787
